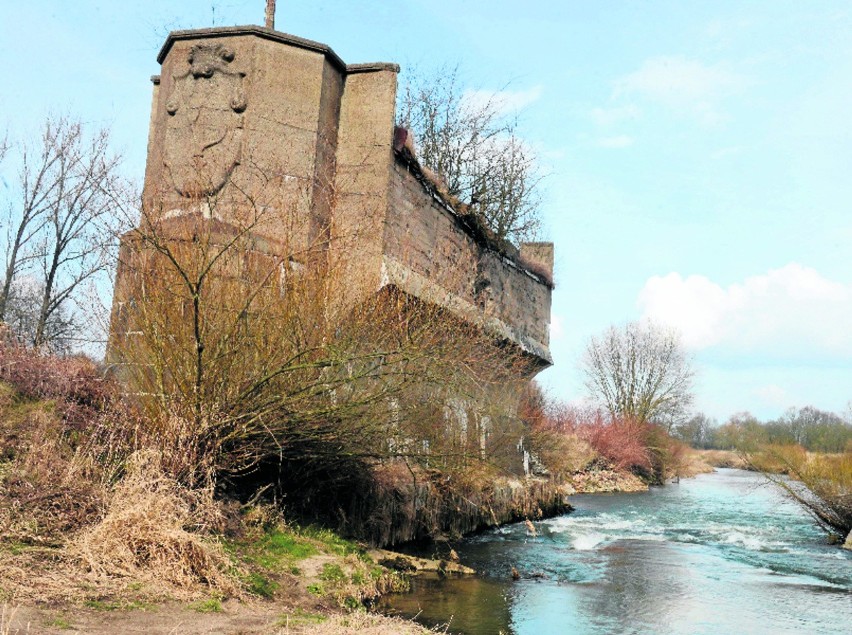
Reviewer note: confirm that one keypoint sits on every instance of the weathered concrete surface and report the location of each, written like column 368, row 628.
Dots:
column 429, row 252
column 253, row 126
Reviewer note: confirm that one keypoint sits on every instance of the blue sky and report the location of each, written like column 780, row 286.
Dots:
column 698, row 153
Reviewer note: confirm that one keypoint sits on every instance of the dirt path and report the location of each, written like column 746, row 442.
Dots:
column 235, row 618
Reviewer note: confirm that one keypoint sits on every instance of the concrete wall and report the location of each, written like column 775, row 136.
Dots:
column 259, row 129
column 430, row 253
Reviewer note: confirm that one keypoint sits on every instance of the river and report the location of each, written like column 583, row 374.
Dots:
column 719, row 554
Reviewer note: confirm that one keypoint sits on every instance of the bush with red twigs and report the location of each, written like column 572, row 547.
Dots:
column 625, row 445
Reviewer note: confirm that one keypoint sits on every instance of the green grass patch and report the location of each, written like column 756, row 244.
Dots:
column 330, row 541
column 299, row 618
column 332, row 573
column 352, row 603
column 316, row 589
column 277, row 544
column 60, row 623
column 211, row 605
column 261, row 585
column 14, row 547
column 276, row 549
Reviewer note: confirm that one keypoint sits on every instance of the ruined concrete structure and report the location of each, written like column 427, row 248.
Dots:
column 260, row 119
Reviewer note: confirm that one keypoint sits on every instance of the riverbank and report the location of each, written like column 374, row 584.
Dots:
column 601, row 480
column 724, row 459
column 291, row 581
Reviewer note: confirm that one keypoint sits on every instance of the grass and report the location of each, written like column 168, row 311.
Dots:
column 276, row 549
column 277, row 546
column 332, row 573
column 300, row 617
column 211, row 605
column 331, row 542
column 60, row 623
column 14, row 547
column 261, row 585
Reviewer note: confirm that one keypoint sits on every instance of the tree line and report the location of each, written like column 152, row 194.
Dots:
column 814, row 429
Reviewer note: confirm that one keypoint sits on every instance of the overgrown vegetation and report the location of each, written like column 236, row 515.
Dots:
column 576, row 440
column 252, row 369
column 471, row 143
column 94, row 507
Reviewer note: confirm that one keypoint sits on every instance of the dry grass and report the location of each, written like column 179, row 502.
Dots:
column 151, row 531
column 605, row 480
column 7, row 618
column 693, row 463
column 723, row 458
column 358, row 624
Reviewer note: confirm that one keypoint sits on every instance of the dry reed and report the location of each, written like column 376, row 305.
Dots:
column 152, row 531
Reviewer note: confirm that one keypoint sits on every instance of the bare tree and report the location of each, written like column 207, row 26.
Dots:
column 25, row 218
column 639, row 372
column 60, row 226
column 473, row 145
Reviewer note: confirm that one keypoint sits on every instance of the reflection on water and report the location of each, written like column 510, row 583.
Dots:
column 721, row 553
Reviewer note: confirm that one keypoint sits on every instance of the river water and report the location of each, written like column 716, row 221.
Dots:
column 720, row 554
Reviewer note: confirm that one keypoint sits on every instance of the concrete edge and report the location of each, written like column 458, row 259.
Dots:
column 275, row 36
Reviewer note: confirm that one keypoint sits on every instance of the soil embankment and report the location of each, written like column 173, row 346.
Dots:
column 436, row 509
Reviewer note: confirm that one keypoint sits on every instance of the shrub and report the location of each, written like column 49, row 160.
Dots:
column 72, row 381
column 822, row 482
column 623, row 442
column 50, row 411
column 569, row 438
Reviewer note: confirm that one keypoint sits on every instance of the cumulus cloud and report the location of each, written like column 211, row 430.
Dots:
column 787, row 313
column 682, row 84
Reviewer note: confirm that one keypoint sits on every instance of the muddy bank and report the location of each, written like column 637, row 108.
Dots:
column 605, row 481
column 434, row 507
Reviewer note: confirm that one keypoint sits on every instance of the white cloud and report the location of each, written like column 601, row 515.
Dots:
column 682, row 84
column 619, row 141
column 505, row 102
column 791, row 312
